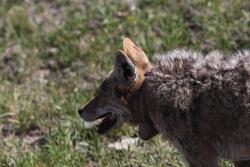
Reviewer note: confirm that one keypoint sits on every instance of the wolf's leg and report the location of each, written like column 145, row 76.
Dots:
column 200, row 162
column 201, row 158
column 244, row 163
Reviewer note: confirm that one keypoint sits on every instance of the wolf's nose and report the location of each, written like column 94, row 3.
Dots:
column 79, row 111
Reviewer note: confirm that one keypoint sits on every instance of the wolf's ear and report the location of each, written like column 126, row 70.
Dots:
column 136, row 54
column 125, row 66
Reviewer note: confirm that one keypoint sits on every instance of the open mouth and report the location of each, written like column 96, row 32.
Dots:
column 108, row 121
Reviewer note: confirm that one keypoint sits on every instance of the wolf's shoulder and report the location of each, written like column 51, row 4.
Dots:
column 189, row 59
column 182, row 64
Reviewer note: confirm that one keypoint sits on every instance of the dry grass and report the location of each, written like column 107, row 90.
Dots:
column 53, row 54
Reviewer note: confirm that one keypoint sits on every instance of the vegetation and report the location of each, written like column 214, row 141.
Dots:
column 53, row 54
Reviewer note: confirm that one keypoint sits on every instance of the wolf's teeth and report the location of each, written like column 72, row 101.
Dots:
column 97, row 122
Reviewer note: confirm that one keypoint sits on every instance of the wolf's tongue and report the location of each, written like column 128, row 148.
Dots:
column 106, row 124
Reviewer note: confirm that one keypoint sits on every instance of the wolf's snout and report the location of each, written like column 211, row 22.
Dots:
column 80, row 111
column 87, row 116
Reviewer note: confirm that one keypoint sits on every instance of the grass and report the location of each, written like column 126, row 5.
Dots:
column 54, row 54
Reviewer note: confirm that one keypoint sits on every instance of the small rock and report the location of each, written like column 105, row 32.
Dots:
column 125, row 143
column 82, row 146
column 41, row 76
column 31, row 140
column 132, row 4
column 53, row 51
column 89, row 125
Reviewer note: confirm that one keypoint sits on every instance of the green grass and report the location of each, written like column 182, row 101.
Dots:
column 54, row 54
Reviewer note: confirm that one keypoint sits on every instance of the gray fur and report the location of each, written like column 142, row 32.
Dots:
column 201, row 103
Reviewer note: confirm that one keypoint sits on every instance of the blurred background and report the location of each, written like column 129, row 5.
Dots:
column 54, row 53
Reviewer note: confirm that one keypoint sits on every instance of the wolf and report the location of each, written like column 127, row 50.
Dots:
column 200, row 103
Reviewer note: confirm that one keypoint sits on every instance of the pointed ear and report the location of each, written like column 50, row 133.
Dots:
column 125, row 66
column 136, row 54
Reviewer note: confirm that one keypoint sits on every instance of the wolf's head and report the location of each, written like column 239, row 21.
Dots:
column 111, row 100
